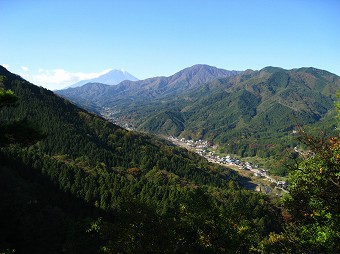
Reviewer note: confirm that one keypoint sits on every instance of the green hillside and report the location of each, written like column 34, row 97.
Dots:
column 254, row 113
column 89, row 186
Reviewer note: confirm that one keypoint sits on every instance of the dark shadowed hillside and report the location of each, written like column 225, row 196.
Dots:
column 89, row 186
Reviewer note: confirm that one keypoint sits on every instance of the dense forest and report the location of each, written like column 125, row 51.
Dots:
column 72, row 182
column 250, row 113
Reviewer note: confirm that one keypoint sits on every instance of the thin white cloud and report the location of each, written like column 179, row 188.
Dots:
column 60, row 78
column 5, row 65
column 24, row 68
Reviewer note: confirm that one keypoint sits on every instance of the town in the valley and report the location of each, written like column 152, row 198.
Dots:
column 206, row 149
column 261, row 177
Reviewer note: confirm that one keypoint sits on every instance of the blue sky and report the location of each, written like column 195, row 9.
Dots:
column 56, row 43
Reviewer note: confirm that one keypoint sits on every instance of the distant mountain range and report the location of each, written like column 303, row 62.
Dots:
column 249, row 113
column 182, row 81
column 90, row 186
column 113, row 77
column 86, row 170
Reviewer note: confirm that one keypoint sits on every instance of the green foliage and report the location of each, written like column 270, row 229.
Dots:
column 253, row 113
column 337, row 105
column 312, row 204
column 171, row 123
column 18, row 132
column 7, row 98
column 92, row 187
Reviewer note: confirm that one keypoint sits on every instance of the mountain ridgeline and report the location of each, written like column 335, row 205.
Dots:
column 247, row 113
column 89, row 186
column 139, row 91
column 113, row 77
column 73, row 182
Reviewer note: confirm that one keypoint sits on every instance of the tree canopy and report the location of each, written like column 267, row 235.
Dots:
column 312, row 206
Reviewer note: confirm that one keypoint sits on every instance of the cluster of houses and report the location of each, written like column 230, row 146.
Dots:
column 110, row 114
column 201, row 146
column 198, row 144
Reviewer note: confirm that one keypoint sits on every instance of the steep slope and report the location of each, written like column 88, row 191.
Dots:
column 252, row 113
column 263, row 109
column 113, row 77
column 74, row 132
column 90, row 187
column 98, row 92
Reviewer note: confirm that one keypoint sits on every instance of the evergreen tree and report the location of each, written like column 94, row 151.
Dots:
column 312, row 206
column 18, row 132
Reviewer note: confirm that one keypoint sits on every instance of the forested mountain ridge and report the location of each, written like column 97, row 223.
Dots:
column 75, row 132
column 90, row 186
column 259, row 108
column 247, row 113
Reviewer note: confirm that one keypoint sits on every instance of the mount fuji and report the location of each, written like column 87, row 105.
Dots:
column 113, row 77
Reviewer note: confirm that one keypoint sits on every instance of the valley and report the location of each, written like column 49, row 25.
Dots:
column 260, row 178
column 247, row 113
column 84, row 184
column 170, row 127
column 270, row 185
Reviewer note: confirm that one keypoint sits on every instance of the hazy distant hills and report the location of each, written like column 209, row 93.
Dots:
column 250, row 112
column 156, row 87
column 113, row 77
